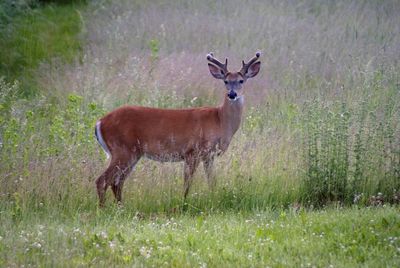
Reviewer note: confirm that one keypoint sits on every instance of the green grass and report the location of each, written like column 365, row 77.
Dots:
column 33, row 36
column 334, row 237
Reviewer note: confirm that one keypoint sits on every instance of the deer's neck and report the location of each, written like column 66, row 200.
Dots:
column 230, row 115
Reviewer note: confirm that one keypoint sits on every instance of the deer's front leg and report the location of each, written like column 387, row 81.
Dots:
column 191, row 163
column 208, row 163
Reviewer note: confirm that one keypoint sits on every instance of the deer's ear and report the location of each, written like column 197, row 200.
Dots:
column 215, row 71
column 253, row 69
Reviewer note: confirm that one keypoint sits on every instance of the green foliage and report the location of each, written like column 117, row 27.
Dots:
column 73, row 126
column 69, row 131
column 154, row 46
column 16, row 211
column 351, row 154
column 327, row 153
column 8, row 94
column 34, row 34
column 9, row 9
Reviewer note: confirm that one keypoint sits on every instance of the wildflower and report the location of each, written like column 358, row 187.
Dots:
column 103, row 234
column 145, row 252
column 111, row 244
column 37, row 245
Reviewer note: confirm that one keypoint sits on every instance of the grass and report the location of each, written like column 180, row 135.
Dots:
column 333, row 237
column 320, row 130
column 34, row 34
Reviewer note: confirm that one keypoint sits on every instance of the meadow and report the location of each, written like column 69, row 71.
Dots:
column 311, row 179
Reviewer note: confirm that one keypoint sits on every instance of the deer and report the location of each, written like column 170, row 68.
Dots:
column 190, row 135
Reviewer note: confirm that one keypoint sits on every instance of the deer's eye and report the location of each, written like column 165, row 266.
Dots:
column 241, row 81
column 226, row 82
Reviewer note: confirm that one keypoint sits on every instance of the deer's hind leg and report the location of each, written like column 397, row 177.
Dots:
column 124, row 171
column 101, row 183
column 120, row 166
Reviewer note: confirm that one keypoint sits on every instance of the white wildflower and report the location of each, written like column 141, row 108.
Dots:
column 37, row 245
column 145, row 252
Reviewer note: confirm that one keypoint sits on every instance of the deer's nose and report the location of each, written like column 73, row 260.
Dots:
column 232, row 95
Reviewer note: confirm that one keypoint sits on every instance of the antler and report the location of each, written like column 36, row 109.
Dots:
column 246, row 66
column 224, row 67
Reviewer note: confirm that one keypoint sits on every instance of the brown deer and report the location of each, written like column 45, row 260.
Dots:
column 189, row 135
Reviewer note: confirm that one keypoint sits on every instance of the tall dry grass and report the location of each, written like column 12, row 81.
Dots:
column 309, row 47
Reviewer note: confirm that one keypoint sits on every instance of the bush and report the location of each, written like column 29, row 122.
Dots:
column 352, row 153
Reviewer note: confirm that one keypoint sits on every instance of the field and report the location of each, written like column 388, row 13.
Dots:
column 312, row 177
column 326, row 238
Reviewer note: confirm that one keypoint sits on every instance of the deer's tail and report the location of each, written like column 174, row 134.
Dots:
column 99, row 137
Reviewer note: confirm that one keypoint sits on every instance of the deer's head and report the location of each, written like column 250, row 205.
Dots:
column 234, row 81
